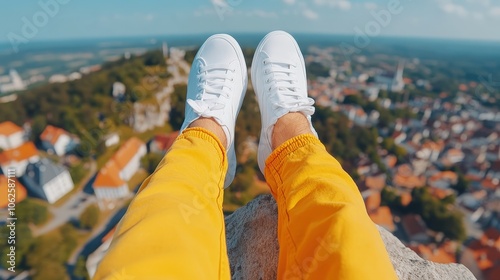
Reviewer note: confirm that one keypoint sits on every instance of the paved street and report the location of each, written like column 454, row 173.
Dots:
column 72, row 208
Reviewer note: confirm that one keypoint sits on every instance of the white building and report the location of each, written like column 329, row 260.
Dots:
column 57, row 140
column 111, row 181
column 47, row 180
column 19, row 158
column 392, row 82
column 119, row 90
column 11, row 82
column 11, row 135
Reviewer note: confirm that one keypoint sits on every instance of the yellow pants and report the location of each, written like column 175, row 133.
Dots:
column 174, row 228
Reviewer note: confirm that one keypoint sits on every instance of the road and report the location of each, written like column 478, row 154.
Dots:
column 72, row 208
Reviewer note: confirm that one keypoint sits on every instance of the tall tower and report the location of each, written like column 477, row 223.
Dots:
column 398, row 82
column 165, row 50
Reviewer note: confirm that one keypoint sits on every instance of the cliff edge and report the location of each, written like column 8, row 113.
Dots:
column 253, row 248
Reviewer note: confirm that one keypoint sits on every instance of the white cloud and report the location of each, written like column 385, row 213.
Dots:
column 484, row 3
column 454, row 9
column 289, row 2
column 219, row 3
column 341, row 4
column 261, row 14
column 477, row 16
column 370, row 6
column 310, row 14
column 495, row 11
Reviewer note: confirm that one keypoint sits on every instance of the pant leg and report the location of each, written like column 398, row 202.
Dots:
column 174, row 227
column 324, row 230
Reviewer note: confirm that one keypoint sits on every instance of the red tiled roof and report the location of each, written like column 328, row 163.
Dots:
column 109, row 176
column 438, row 255
column 109, row 235
column 51, row 134
column 127, row 151
column 8, row 128
column 20, row 192
column 413, row 224
column 492, row 273
column 485, row 256
column 21, row 153
column 375, row 182
column 165, row 141
column 406, row 198
column 489, row 183
column 383, row 217
column 372, row 202
column 445, row 175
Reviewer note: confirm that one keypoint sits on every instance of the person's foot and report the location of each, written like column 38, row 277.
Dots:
column 216, row 87
column 280, row 83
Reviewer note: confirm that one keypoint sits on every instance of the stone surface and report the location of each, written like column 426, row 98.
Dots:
column 253, row 247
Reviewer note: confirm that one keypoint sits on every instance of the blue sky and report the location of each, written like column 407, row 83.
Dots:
column 468, row 19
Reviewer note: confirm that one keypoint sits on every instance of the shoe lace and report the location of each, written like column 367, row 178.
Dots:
column 282, row 81
column 214, row 83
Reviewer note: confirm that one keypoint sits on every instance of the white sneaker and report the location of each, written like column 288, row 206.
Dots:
column 216, row 87
column 280, row 83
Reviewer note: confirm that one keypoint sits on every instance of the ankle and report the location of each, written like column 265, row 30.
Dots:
column 289, row 126
column 211, row 125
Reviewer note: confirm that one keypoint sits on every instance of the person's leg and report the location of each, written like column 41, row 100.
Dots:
column 324, row 230
column 174, row 227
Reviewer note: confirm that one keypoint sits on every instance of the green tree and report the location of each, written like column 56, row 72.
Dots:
column 178, row 101
column 89, row 217
column 437, row 214
column 80, row 271
column 390, row 198
column 39, row 124
column 151, row 161
column 24, row 241
column 462, row 184
column 48, row 269
column 33, row 212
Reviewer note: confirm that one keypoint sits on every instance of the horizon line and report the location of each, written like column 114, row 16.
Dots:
column 50, row 40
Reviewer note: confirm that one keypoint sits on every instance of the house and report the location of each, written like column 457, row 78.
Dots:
column 57, row 140
column 19, row 158
column 391, row 81
column 47, row 180
column 452, row 156
column 415, row 228
column 111, row 139
column 20, row 193
column 405, row 178
column 482, row 259
column 119, row 90
column 95, row 258
column 162, row 142
column 372, row 201
column 108, row 184
column 11, row 82
column 444, row 253
column 491, row 237
column 376, row 182
column 11, row 135
column 443, row 180
column 382, row 216
column 111, row 181
column 128, row 157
